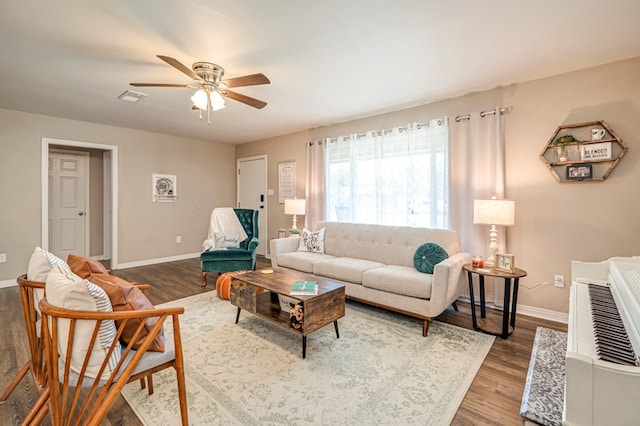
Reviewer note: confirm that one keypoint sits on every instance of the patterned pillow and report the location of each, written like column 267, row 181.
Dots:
column 427, row 256
column 312, row 241
column 227, row 239
column 66, row 290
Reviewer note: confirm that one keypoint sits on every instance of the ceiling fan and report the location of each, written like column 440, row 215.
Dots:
column 211, row 88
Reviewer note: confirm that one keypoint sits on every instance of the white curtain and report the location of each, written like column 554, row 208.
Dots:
column 315, row 184
column 477, row 172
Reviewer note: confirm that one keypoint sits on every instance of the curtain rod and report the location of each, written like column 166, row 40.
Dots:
column 385, row 131
column 485, row 113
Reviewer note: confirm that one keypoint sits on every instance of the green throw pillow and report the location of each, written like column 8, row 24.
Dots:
column 427, row 256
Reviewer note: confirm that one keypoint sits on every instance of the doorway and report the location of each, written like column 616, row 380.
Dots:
column 109, row 190
column 68, row 203
column 252, row 192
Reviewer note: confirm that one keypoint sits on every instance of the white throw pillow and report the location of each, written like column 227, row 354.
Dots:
column 67, row 290
column 227, row 239
column 39, row 267
column 312, row 241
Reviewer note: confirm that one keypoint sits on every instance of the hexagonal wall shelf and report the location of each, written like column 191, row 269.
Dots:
column 583, row 152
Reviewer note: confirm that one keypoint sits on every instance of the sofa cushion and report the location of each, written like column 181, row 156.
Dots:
column 344, row 268
column 66, row 290
column 83, row 267
column 391, row 245
column 125, row 296
column 312, row 241
column 427, row 256
column 301, row 260
column 231, row 253
column 398, row 279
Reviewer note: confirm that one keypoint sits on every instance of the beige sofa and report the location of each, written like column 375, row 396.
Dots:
column 375, row 263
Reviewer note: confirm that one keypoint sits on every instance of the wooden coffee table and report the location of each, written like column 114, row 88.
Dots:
column 257, row 292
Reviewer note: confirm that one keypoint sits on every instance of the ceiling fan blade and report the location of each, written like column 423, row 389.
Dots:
column 158, row 85
column 245, row 99
column 247, row 80
column 180, row 67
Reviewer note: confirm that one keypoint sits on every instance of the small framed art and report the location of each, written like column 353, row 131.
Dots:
column 282, row 233
column 505, row 262
column 579, row 171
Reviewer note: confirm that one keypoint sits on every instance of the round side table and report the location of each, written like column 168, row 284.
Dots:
column 483, row 323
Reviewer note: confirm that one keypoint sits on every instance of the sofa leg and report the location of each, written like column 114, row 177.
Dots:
column 425, row 328
column 204, row 279
column 455, row 306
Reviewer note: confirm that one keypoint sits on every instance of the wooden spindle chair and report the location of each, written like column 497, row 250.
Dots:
column 67, row 403
column 30, row 293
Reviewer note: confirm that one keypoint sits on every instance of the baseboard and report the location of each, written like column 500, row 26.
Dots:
column 546, row 314
column 8, row 283
column 532, row 311
column 158, row 260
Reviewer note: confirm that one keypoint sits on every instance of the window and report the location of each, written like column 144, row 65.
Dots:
column 391, row 177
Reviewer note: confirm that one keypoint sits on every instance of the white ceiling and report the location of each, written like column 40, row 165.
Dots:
column 329, row 61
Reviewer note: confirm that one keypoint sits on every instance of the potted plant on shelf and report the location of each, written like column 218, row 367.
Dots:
column 562, row 146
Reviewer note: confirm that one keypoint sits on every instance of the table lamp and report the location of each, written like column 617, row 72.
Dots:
column 493, row 212
column 295, row 207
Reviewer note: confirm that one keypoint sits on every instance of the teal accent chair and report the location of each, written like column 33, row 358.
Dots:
column 234, row 259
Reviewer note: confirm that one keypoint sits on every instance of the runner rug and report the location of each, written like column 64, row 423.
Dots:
column 380, row 371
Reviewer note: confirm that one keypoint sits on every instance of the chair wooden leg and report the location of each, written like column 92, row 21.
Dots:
column 204, row 279
column 39, row 410
column 23, row 371
column 150, row 383
column 455, row 306
column 143, row 383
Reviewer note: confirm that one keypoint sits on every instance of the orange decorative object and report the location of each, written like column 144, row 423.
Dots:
column 223, row 284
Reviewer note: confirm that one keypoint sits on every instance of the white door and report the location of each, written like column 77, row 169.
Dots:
column 252, row 193
column 67, row 204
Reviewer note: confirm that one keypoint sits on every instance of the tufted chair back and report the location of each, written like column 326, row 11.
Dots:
column 249, row 221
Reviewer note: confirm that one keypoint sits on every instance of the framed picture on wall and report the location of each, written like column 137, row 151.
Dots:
column 505, row 262
column 164, row 188
column 579, row 171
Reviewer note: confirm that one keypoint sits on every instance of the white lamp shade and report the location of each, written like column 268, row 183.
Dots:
column 217, row 101
column 494, row 212
column 199, row 99
column 295, row 206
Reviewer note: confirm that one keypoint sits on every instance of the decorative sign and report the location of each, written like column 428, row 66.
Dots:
column 596, row 151
column 286, row 181
column 164, row 188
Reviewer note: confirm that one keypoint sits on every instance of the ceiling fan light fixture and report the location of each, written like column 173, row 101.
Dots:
column 217, row 101
column 199, row 99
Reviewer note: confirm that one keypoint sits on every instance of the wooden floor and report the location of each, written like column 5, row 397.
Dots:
column 493, row 399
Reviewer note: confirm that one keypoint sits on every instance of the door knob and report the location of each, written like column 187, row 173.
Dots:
column 81, row 213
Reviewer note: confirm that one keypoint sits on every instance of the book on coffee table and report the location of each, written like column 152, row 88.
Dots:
column 304, row 288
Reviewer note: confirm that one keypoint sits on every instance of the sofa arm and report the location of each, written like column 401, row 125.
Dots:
column 282, row 245
column 448, row 282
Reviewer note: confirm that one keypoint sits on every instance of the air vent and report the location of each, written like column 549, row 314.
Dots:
column 131, row 96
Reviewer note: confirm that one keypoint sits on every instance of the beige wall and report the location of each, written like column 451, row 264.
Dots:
column 555, row 222
column 147, row 230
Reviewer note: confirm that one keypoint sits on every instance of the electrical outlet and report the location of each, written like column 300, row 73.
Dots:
column 3, row 257
column 558, row 280
column 179, row 239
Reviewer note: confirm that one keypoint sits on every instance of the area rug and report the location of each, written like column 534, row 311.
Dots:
column 380, row 371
